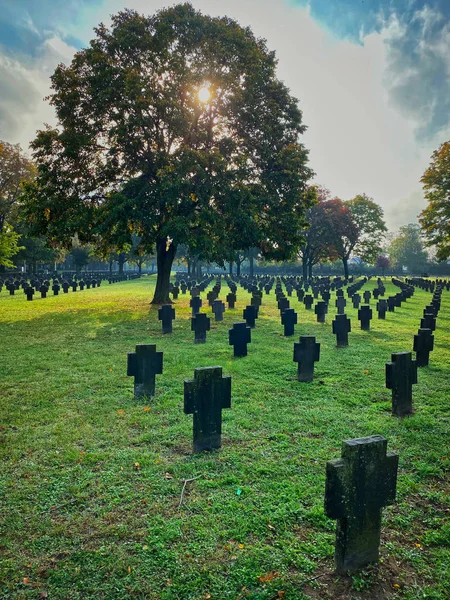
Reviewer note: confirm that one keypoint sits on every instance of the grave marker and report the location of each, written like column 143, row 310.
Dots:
column 401, row 375
column 239, row 336
column 200, row 324
column 205, row 396
column 166, row 314
column 144, row 364
column 306, row 353
column 341, row 328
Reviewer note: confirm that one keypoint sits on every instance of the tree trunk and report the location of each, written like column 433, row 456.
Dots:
column 164, row 260
column 140, row 268
column 345, row 263
column 231, row 268
column 199, row 270
column 310, row 268
column 305, row 267
column 122, row 260
column 251, row 260
column 238, row 268
column 110, row 267
column 188, row 268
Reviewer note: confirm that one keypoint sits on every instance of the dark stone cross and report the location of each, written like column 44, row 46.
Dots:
column 341, row 328
column 205, row 396
column 341, row 303
column 308, row 301
column 43, row 289
column 29, row 292
column 74, row 286
column 231, row 299
column 200, row 324
column 211, row 296
column 65, row 287
column 195, row 303
column 401, row 374
column 358, row 486
column 283, row 304
column 428, row 322
column 423, row 345
column 306, row 353
column 55, row 288
column 289, row 320
column 367, row 296
column 166, row 314
column 175, row 292
column 321, row 310
column 218, row 309
column 250, row 314
column 365, row 316
column 144, row 365
column 239, row 337
column 392, row 302
column 382, row 307
column 356, row 299
column 11, row 288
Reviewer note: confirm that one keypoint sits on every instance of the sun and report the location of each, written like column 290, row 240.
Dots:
column 204, row 94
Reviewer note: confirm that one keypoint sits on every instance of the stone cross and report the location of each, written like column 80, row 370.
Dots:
column 289, row 320
column 306, row 353
column 321, row 310
column 341, row 303
column 283, row 304
column 423, row 345
column 65, row 287
column 428, row 322
column 341, row 328
column 358, row 486
column 218, row 309
column 367, row 296
column 401, row 374
column 231, row 299
column 166, row 314
column 29, row 292
column 250, row 314
column 74, row 286
column 195, row 303
column 382, row 307
column 205, row 396
column 211, row 296
column 391, row 303
column 144, row 365
column 43, row 289
column 308, row 301
column 175, row 292
column 55, row 288
column 239, row 337
column 200, row 324
column 356, row 299
column 365, row 316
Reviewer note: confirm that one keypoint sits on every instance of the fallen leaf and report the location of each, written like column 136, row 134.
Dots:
column 129, row 570
column 268, row 577
column 136, row 466
column 26, row 581
column 168, row 476
column 147, row 408
column 241, row 546
column 121, row 412
column 144, row 547
column 281, row 593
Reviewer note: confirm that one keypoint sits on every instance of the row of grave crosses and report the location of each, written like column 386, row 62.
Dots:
column 358, row 485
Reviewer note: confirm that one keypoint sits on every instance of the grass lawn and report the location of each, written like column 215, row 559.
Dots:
column 91, row 478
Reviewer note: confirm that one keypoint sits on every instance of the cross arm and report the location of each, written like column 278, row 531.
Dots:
column 190, row 389
column 334, row 489
column 132, row 364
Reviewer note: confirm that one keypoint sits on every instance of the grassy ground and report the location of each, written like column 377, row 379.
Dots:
column 91, row 478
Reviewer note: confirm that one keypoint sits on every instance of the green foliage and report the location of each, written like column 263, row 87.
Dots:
column 137, row 151
column 406, row 250
column 9, row 245
column 368, row 217
column 15, row 168
column 80, row 519
column 435, row 218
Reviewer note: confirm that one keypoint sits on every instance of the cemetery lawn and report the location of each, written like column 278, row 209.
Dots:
column 92, row 480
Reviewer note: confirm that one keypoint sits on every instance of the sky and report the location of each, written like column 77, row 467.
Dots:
column 372, row 78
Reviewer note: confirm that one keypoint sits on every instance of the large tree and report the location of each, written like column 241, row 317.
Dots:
column 435, row 218
column 369, row 219
column 173, row 127
column 406, row 250
column 15, row 168
column 342, row 231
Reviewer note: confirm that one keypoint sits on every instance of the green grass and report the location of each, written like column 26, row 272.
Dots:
column 80, row 519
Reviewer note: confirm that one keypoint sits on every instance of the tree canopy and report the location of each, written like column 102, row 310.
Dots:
column 435, row 218
column 406, row 250
column 172, row 127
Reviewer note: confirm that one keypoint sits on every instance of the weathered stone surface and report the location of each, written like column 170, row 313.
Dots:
column 144, row 365
column 250, row 314
column 166, row 314
column 401, row 375
column 205, row 396
column 358, row 486
column 306, row 353
column 341, row 328
column 365, row 316
column 289, row 320
column 423, row 345
column 200, row 324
